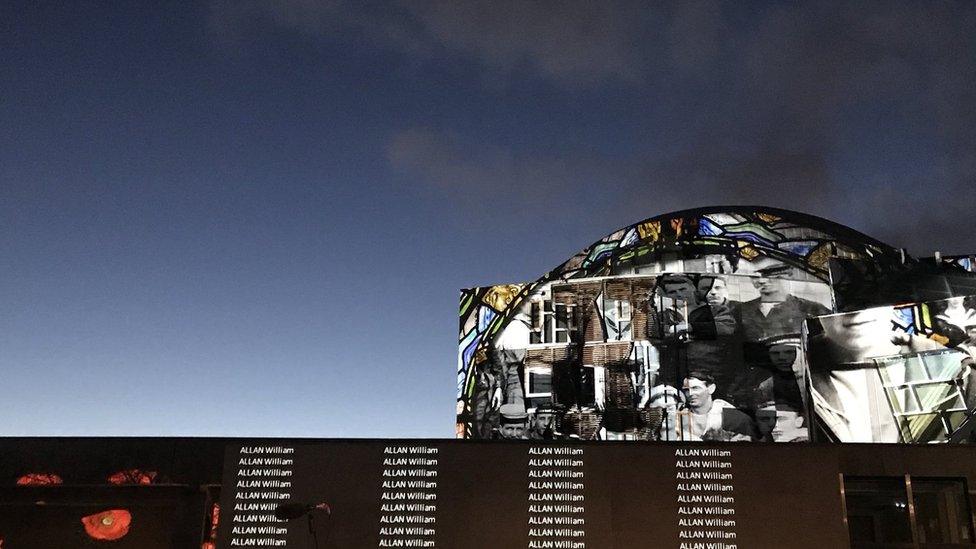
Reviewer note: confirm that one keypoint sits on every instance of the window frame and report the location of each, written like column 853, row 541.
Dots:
column 912, row 512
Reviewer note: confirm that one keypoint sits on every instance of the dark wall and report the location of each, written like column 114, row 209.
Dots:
column 785, row 495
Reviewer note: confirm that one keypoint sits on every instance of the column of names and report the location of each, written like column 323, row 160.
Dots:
column 263, row 482
column 408, row 500
column 556, row 494
column 706, row 498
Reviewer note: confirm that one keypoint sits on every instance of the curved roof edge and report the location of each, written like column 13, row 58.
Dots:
column 685, row 227
column 782, row 212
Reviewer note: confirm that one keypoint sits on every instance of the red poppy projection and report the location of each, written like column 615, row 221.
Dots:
column 39, row 479
column 108, row 525
column 132, row 476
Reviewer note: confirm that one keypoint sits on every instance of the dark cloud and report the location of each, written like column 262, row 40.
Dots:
column 885, row 96
column 865, row 113
column 577, row 43
column 571, row 42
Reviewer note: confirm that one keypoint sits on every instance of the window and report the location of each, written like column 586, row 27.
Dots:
column 941, row 512
column 616, row 318
column 538, row 382
column 564, row 322
column 925, row 392
column 877, row 512
column 909, row 512
column 552, row 322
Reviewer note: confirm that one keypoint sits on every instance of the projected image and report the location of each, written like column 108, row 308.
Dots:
column 67, row 522
column 686, row 326
column 896, row 374
column 672, row 357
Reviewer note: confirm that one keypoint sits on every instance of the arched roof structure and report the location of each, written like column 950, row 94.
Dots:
column 802, row 240
column 739, row 233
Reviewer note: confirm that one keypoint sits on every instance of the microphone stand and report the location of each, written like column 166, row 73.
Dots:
column 311, row 528
column 292, row 512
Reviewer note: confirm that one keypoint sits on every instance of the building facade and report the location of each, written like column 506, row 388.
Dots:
column 724, row 324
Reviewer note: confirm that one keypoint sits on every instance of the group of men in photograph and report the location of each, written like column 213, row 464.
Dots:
column 730, row 365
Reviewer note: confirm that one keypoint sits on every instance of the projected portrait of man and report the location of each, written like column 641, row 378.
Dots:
column 781, row 423
column 952, row 316
column 704, row 413
column 775, row 312
column 847, row 390
column 513, row 422
column 714, row 292
column 680, row 290
column 543, row 424
column 787, row 375
column 687, row 314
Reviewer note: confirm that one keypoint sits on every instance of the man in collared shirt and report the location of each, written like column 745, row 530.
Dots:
column 705, row 414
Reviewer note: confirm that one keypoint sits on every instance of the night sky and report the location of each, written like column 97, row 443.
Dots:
column 253, row 218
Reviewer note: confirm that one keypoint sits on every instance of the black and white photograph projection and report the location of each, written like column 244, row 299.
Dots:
column 685, row 327
column 896, row 374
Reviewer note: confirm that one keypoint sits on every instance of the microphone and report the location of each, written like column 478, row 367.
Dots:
column 292, row 511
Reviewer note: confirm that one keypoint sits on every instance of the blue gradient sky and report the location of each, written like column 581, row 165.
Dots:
column 251, row 218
